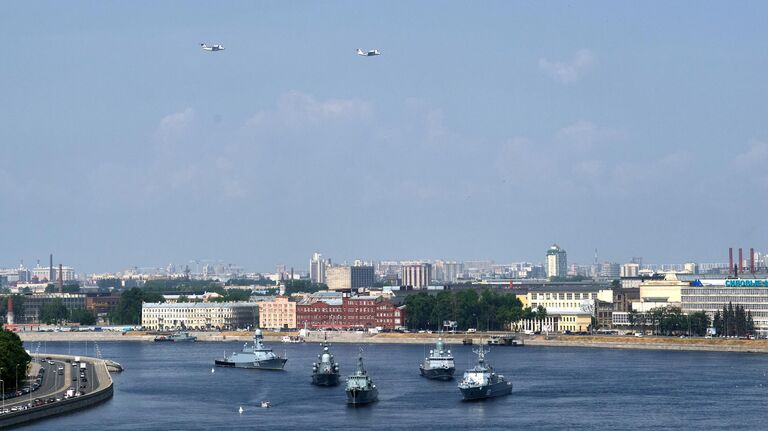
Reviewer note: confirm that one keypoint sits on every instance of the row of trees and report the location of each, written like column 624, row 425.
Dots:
column 487, row 310
column 128, row 309
column 18, row 306
column 55, row 312
column 13, row 359
column 67, row 288
column 304, row 286
column 181, row 284
column 733, row 321
column 249, row 282
column 670, row 320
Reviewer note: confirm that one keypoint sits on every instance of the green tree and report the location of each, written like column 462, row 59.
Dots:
column 128, row 309
column 54, row 312
column 594, row 324
column 249, row 282
column 13, row 359
column 67, row 288
column 303, row 286
column 443, row 308
column 83, row 317
column 541, row 315
column 234, row 295
column 717, row 322
column 731, row 320
column 698, row 323
column 419, row 310
column 632, row 317
column 467, row 310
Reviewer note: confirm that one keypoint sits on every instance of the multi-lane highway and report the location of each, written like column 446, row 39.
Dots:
column 57, row 378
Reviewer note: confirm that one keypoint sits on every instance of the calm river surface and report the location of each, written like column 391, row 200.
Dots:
column 171, row 387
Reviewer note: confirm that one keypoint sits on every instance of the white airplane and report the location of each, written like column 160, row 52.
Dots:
column 211, row 48
column 370, row 53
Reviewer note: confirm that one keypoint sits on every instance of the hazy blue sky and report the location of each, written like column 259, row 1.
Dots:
column 485, row 131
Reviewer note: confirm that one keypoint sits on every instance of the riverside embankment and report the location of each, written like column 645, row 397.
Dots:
column 608, row 341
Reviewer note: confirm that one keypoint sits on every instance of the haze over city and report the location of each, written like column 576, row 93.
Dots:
column 479, row 133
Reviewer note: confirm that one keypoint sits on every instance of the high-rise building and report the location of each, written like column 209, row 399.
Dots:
column 610, row 270
column 630, row 270
column 417, row 274
column 349, row 277
column 362, row 276
column 317, row 268
column 557, row 262
column 691, row 268
column 447, row 272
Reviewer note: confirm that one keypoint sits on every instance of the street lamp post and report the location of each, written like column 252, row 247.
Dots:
column 2, row 382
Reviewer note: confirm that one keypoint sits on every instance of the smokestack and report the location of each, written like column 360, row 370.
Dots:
column 50, row 270
column 741, row 262
column 61, row 279
column 9, row 317
column 752, row 260
column 730, row 260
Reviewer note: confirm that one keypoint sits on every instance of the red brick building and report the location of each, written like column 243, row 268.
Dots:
column 350, row 312
column 101, row 305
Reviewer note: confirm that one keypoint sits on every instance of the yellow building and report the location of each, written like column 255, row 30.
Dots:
column 577, row 322
column 279, row 313
column 569, row 306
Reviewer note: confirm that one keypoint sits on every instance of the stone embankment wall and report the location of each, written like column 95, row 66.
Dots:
column 101, row 394
column 608, row 342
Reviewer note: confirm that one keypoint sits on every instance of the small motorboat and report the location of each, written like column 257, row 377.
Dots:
column 266, row 404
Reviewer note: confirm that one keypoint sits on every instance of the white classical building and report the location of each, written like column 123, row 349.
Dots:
column 158, row 316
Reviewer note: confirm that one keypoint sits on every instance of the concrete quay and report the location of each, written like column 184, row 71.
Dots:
column 602, row 341
column 101, row 390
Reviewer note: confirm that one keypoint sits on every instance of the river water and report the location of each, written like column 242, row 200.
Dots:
column 168, row 386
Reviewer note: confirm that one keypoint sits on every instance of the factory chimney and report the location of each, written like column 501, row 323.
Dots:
column 752, row 260
column 61, row 279
column 9, row 318
column 730, row 260
column 50, row 270
column 741, row 262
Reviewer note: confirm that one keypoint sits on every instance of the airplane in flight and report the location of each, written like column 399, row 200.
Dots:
column 370, row 53
column 211, row 48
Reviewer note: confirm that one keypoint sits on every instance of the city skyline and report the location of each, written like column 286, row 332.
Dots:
column 220, row 267
column 638, row 135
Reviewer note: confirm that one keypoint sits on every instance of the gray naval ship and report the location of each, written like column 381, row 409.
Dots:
column 360, row 388
column 325, row 372
column 481, row 381
column 439, row 364
column 176, row 337
column 253, row 356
